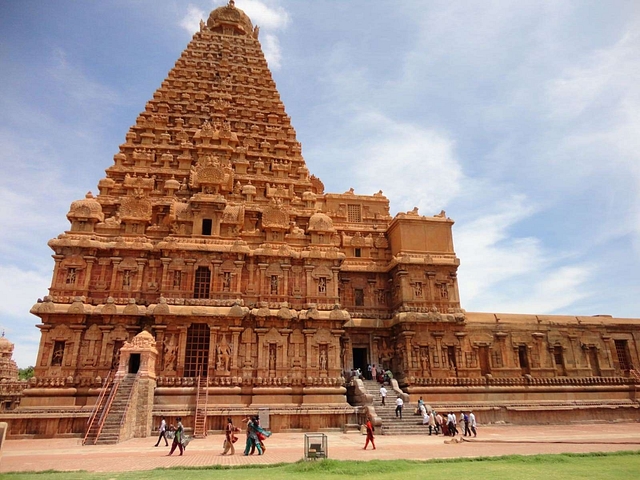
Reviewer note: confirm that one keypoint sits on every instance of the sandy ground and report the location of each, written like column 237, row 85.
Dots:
column 140, row 453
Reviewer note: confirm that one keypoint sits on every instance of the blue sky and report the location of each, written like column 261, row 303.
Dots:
column 521, row 119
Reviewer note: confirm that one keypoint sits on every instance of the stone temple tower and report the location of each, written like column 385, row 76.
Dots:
column 210, row 238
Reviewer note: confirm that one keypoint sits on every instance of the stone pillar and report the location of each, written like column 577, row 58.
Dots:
column 235, row 364
column 309, row 282
column 214, row 278
column 182, row 348
column 334, row 284
column 438, row 337
column 263, row 360
column 44, row 332
column 308, row 366
column 115, row 261
column 77, row 335
column 103, row 348
column 87, row 276
column 239, row 266
column 213, row 348
column 286, row 268
column 164, row 286
column 56, row 269
column 140, row 273
column 261, row 279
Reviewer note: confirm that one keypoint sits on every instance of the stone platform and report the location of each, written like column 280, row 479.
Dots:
column 140, row 453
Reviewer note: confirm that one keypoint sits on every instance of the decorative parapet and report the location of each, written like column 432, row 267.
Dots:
column 520, row 381
column 255, row 382
column 8, row 388
column 63, row 382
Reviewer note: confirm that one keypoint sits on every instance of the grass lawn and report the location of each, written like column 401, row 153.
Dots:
column 609, row 466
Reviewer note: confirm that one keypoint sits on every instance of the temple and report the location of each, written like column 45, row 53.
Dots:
column 211, row 275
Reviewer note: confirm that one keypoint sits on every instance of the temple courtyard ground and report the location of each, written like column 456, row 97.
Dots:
column 495, row 440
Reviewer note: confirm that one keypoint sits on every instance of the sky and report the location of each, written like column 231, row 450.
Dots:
column 520, row 119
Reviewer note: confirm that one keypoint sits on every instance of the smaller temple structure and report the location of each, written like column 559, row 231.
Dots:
column 11, row 386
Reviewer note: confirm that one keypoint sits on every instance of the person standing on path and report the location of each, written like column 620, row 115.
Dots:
column 163, row 433
column 399, row 404
column 465, row 419
column 369, row 435
column 177, row 437
column 432, row 422
column 374, row 372
column 472, row 422
column 230, row 438
column 383, row 393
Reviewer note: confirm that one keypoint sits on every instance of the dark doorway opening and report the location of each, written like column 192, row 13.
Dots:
column 483, row 354
column 593, row 361
column 524, row 359
column 360, row 359
column 134, row 363
column 206, row 226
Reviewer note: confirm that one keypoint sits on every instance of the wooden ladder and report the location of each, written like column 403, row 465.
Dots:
column 202, row 397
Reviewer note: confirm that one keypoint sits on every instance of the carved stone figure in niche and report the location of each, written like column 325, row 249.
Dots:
column 444, row 290
column 424, row 359
column 58, row 353
column 322, row 285
column 323, row 358
column 177, row 279
column 170, row 355
column 115, row 360
column 71, row 276
column 417, row 290
column 126, row 278
column 224, row 356
column 272, row 357
column 226, row 281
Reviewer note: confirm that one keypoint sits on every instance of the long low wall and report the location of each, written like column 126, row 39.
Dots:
column 49, row 412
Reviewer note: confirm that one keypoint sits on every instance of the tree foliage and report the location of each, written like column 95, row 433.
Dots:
column 25, row 373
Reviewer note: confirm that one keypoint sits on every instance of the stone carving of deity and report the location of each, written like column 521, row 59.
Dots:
column 323, row 359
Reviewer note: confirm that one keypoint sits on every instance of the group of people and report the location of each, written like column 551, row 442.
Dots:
column 255, row 436
column 180, row 440
column 448, row 425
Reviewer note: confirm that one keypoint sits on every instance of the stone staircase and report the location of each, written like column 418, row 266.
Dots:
column 110, row 432
column 409, row 425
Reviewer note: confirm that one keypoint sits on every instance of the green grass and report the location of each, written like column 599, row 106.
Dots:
column 609, row 466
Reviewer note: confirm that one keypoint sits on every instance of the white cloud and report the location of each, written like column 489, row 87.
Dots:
column 267, row 15
column 272, row 52
column 18, row 287
column 191, row 21
column 414, row 166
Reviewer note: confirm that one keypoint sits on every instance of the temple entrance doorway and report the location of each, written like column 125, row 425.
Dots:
column 196, row 359
column 483, row 356
column 524, row 359
column 360, row 359
column 593, row 361
column 134, row 363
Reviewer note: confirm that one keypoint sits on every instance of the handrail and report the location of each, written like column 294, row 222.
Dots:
column 96, row 408
column 105, row 411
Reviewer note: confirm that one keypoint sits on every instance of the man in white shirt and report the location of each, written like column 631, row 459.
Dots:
column 163, row 433
column 383, row 393
column 472, row 423
column 399, row 404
